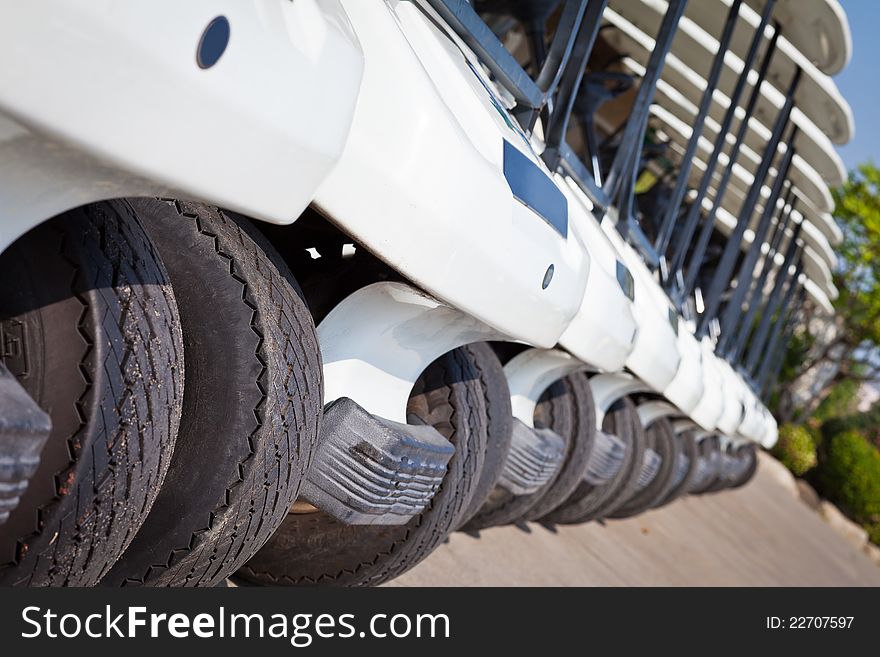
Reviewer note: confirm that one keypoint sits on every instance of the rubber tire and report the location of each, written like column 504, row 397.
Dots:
column 707, row 445
column 689, row 447
column 729, row 484
column 105, row 359
column 746, row 476
column 720, row 483
column 500, row 423
column 315, row 549
column 662, row 439
column 580, row 408
column 252, row 402
column 566, row 408
column 588, row 502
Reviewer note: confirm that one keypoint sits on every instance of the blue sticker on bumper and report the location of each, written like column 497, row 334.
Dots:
column 535, row 189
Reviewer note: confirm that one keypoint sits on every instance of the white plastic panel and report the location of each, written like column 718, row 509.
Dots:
column 818, row 28
column 421, row 183
column 377, row 341
column 651, row 411
column 709, row 409
column 817, row 95
column 682, row 82
column 603, row 331
column 654, row 358
column 608, row 388
column 530, row 373
column 120, row 82
column 734, row 397
column 686, row 388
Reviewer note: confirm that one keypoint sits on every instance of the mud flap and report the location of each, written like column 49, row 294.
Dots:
column 372, row 471
column 605, row 459
column 24, row 428
column 535, row 456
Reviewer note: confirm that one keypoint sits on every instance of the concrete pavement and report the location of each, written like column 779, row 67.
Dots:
column 759, row 535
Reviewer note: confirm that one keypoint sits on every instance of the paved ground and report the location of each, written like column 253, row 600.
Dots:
column 760, row 535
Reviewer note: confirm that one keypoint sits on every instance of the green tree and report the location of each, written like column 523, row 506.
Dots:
column 849, row 475
column 853, row 351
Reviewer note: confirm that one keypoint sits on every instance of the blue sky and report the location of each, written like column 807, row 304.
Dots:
column 860, row 81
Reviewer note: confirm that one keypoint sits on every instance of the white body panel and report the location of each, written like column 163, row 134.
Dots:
column 709, row 409
column 651, row 411
column 771, row 430
column 530, row 373
column 420, row 183
column 754, row 425
column 686, row 388
column 655, row 356
column 261, row 150
column 608, row 388
column 734, row 399
column 377, row 341
column 603, row 331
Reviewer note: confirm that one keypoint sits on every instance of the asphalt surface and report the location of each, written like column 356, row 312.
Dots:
column 759, row 535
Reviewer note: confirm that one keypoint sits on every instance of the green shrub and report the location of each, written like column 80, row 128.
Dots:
column 841, row 401
column 795, row 449
column 849, row 475
column 837, row 425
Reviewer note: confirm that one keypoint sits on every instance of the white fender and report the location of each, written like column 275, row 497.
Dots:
column 608, row 388
column 421, row 182
column 651, row 411
column 530, row 373
column 686, row 424
column 378, row 340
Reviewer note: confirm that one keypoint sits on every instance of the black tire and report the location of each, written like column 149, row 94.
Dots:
column 709, row 448
column 661, row 438
column 741, row 452
column 500, row 423
column 589, row 502
column 748, row 452
column 566, row 408
column 688, row 446
column 720, row 482
column 252, row 404
column 101, row 352
column 574, row 414
column 313, row 548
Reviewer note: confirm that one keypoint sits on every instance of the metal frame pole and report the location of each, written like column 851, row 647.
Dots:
column 747, row 268
column 678, row 192
column 782, row 276
column 753, row 302
column 693, row 216
column 570, row 82
column 721, row 279
column 766, row 383
column 627, row 157
column 760, row 376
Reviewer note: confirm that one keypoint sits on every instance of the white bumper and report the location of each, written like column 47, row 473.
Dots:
column 118, row 83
